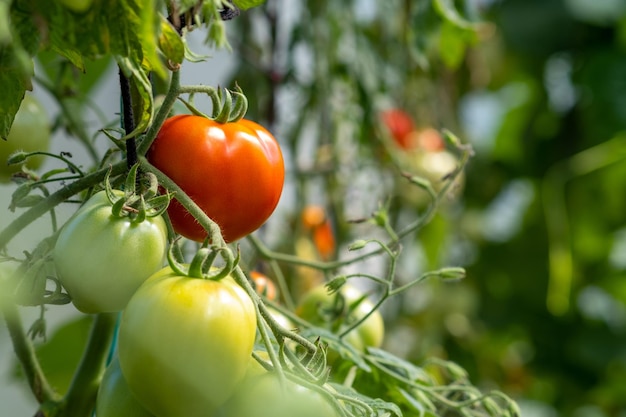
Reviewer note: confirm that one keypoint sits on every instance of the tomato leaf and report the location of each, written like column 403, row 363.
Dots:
column 141, row 90
column 381, row 408
column 170, row 43
column 247, row 4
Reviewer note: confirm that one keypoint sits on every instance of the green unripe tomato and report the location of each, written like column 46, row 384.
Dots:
column 101, row 259
column 324, row 310
column 30, row 132
column 114, row 397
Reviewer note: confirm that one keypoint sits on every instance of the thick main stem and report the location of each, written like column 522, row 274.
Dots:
column 128, row 120
column 81, row 396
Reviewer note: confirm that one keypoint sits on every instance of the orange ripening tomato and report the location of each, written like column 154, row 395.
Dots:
column 428, row 139
column 318, row 224
column 264, row 286
column 233, row 171
column 399, row 124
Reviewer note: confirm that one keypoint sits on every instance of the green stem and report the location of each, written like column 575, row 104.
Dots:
column 81, row 396
column 282, row 285
column 69, row 163
column 267, row 253
column 168, row 103
column 553, row 194
column 55, row 199
column 25, row 352
column 209, row 225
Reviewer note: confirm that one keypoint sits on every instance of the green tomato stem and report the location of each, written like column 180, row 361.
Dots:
column 209, row 225
column 168, row 103
column 81, row 396
column 25, row 352
column 282, row 285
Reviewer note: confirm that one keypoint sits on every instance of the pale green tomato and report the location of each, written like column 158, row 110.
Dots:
column 186, row 343
column 30, row 132
column 114, row 397
column 101, row 259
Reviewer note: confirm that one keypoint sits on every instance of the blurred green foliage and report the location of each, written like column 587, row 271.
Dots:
column 538, row 88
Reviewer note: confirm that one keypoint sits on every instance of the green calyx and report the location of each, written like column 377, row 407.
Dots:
column 201, row 265
column 228, row 106
column 140, row 198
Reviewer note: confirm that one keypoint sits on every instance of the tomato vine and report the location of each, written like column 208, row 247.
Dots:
column 138, row 41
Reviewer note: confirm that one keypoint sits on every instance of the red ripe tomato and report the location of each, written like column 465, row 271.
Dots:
column 233, row 171
column 400, row 124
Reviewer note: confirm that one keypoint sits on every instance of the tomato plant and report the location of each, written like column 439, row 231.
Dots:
column 233, row 171
column 400, row 125
column 114, row 396
column 339, row 310
column 101, row 258
column 185, row 343
column 30, row 132
column 185, row 337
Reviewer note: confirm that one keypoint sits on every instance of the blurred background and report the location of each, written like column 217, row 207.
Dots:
column 538, row 89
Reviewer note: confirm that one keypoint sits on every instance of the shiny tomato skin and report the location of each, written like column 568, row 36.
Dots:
column 234, row 172
column 29, row 132
column 101, row 259
column 185, row 343
column 114, row 397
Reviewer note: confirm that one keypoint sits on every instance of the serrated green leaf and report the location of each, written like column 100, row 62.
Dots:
column 142, row 93
column 13, row 90
column 247, row 4
column 170, row 43
column 345, row 350
column 379, row 406
column 397, row 366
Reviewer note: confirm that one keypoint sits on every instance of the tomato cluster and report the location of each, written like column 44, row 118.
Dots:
column 422, row 153
column 186, row 335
